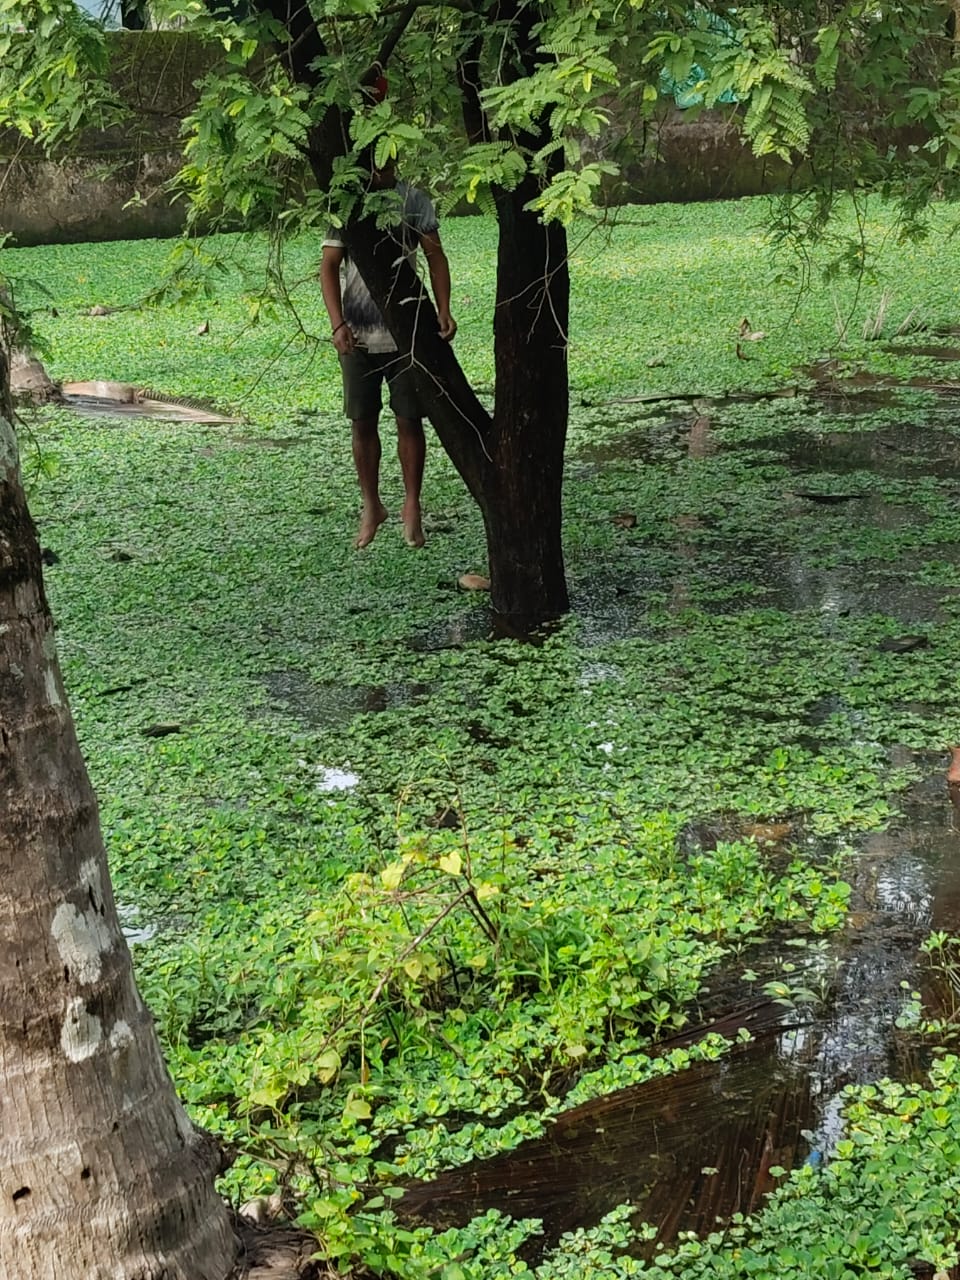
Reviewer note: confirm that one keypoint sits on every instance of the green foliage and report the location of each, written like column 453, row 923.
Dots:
column 239, row 159
column 547, row 84
column 52, row 71
column 939, row 1021
column 517, row 896
column 486, row 165
column 887, row 1201
column 570, row 193
column 395, row 981
column 888, row 1196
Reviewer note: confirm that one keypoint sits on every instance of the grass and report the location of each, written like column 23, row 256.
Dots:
column 504, row 913
column 663, row 294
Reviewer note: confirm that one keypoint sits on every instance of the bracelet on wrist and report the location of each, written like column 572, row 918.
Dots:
column 338, row 327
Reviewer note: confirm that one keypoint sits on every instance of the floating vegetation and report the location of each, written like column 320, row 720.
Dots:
column 437, row 892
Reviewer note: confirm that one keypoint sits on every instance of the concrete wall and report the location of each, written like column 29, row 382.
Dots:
column 112, row 186
column 88, row 199
column 677, row 159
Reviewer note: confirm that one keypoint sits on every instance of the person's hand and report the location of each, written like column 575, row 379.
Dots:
column 343, row 339
column 448, row 326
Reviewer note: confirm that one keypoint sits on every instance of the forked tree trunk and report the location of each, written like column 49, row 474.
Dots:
column 102, row 1175
column 512, row 463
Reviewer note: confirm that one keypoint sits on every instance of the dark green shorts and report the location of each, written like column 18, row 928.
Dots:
column 364, row 374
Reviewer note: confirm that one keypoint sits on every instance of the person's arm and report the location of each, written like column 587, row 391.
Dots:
column 439, row 269
column 333, row 299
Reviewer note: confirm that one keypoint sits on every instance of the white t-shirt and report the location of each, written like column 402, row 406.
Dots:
column 417, row 218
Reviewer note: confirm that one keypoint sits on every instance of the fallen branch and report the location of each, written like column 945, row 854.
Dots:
column 785, row 393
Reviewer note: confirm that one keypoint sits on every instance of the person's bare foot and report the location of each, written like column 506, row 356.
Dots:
column 371, row 518
column 412, row 527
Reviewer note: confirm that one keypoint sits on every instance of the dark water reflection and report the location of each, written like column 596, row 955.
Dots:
column 322, row 704
column 475, row 624
column 611, row 604
column 646, row 442
column 930, row 350
column 691, row 1149
column 901, row 450
column 687, row 1149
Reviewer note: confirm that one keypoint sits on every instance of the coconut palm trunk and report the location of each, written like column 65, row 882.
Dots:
column 102, row 1174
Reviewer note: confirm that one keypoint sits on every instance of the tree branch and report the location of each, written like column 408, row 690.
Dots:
column 465, row 6
column 468, row 78
column 6, row 404
column 304, row 48
column 460, row 419
column 305, row 45
column 390, row 42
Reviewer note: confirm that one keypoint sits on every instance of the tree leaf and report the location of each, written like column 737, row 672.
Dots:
column 450, row 863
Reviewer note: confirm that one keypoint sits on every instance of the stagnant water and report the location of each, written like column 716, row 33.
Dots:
column 692, row 1149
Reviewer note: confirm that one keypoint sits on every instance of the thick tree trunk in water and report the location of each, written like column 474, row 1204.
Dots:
column 523, row 510
column 102, row 1175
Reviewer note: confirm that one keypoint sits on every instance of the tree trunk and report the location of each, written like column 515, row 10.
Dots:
column 462, row 422
column 523, row 515
column 132, row 17
column 102, row 1175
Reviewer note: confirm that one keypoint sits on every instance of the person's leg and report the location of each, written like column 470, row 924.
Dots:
column 366, row 458
column 361, row 403
column 411, row 448
column 412, row 452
